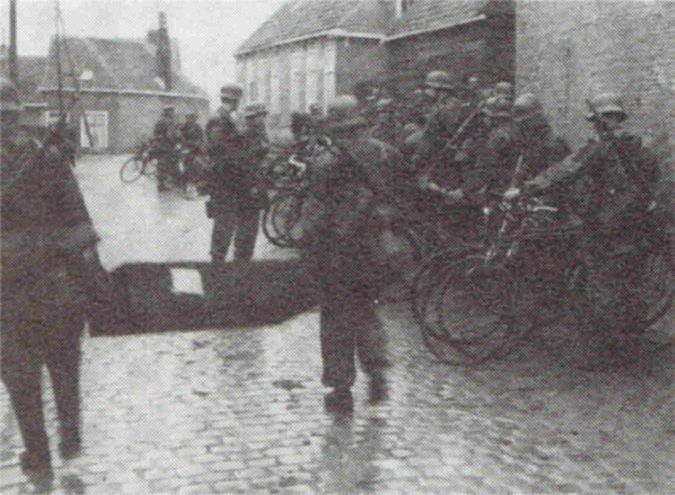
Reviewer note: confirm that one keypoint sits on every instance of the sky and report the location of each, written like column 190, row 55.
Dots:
column 208, row 31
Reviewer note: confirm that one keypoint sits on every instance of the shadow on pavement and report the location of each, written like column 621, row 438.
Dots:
column 158, row 297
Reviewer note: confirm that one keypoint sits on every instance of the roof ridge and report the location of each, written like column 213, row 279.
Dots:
column 354, row 10
column 104, row 65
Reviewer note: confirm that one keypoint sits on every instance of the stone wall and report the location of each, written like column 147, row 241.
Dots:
column 568, row 51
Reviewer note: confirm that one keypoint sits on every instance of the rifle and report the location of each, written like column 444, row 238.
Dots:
column 55, row 133
column 453, row 142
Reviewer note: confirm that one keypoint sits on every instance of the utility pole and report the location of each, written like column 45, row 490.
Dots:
column 12, row 57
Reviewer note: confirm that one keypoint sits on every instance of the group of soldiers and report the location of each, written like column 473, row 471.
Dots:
column 464, row 149
column 461, row 149
column 169, row 138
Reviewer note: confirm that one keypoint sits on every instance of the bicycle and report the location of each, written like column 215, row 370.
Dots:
column 143, row 162
column 529, row 278
column 290, row 188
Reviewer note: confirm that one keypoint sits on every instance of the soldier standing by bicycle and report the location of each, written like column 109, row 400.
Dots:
column 231, row 205
column 167, row 135
column 611, row 185
column 48, row 259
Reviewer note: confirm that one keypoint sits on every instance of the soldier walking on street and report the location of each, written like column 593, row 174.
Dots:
column 346, row 267
column 48, row 248
column 231, row 206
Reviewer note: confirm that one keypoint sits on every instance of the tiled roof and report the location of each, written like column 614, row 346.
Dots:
column 114, row 64
column 31, row 72
column 304, row 18
column 429, row 15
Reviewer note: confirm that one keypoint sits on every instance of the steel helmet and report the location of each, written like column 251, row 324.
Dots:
column 608, row 103
column 525, row 106
column 504, row 88
column 439, row 79
column 343, row 105
column 231, row 92
column 343, row 111
column 497, row 107
column 9, row 96
column 384, row 105
column 254, row 110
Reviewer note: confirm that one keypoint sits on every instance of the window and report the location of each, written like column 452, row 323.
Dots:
column 329, row 73
column 261, row 78
column 253, row 91
column 97, row 121
column 314, row 75
column 297, row 78
column 251, row 83
column 275, row 86
column 53, row 116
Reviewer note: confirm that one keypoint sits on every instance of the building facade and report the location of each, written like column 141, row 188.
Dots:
column 309, row 51
column 568, row 51
column 113, row 89
column 463, row 37
column 312, row 50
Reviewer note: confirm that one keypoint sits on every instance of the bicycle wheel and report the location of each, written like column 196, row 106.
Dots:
column 429, row 273
column 286, row 218
column 656, row 289
column 560, row 323
column 131, row 170
column 474, row 309
column 269, row 228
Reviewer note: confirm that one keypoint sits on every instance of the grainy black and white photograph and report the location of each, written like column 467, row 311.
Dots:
column 337, row 246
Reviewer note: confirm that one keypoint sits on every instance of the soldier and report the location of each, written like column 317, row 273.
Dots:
column 48, row 248
column 256, row 146
column 492, row 154
column 537, row 146
column 230, row 205
column 166, row 136
column 387, row 128
column 610, row 184
column 192, row 140
column 434, row 159
column 485, row 150
column 347, row 270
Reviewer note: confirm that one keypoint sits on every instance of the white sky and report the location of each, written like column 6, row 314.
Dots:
column 208, row 31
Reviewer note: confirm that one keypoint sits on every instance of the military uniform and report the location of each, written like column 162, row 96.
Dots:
column 192, row 139
column 342, row 253
column 611, row 188
column 167, row 135
column 234, row 210
column 45, row 230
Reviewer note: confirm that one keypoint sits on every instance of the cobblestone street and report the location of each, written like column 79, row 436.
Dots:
column 222, row 410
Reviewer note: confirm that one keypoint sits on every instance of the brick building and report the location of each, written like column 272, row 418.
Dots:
column 464, row 37
column 311, row 50
column 124, row 83
column 570, row 50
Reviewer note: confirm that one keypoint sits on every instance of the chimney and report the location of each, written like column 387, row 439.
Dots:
column 12, row 61
column 164, row 53
column 401, row 6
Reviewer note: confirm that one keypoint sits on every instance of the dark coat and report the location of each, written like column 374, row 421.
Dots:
column 231, row 178
column 45, row 226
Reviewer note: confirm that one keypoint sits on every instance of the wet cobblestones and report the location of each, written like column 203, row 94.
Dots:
column 241, row 410
column 221, row 411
